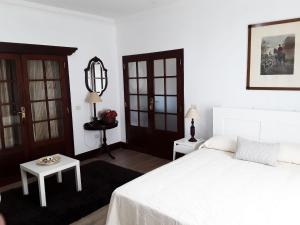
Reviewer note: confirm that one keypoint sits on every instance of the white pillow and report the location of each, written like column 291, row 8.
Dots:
column 289, row 153
column 222, row 143
column 265, row 153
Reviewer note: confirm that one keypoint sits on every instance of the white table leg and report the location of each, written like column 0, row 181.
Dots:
column 78, row 178
column 59, row 177
column 174, row 155
column 24, row 182
column 42, row 191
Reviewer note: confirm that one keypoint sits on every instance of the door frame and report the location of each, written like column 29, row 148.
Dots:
column 150, row 57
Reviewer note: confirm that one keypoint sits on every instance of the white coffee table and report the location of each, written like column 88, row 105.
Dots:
column 41, row 171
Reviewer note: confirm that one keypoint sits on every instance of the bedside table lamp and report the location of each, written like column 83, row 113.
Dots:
column 192, row 113
column 94, row 98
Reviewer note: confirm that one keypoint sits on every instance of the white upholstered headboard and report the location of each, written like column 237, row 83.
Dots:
column 260, row 125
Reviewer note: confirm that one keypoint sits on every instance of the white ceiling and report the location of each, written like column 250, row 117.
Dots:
column 106, row 8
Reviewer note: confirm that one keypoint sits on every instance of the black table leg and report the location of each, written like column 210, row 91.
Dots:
column 104, row 145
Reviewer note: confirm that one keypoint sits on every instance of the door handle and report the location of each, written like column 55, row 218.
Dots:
column 151, row 104
column 22, row 112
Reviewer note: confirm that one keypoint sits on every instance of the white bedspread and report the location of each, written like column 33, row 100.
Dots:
column 209, row 187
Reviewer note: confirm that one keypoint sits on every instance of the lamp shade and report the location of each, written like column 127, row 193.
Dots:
column 192, row 113
column 93, row 97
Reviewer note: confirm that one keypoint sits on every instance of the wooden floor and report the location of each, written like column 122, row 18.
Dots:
column 126, row 158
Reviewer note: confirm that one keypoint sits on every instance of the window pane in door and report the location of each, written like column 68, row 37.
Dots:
column 142, row 66
column 12, row 136
column 55, row 109
column 52, row 69
column 4, row 93
column 159, row 68
column 9, row 115
column 133, row 102
column 172, row 123
column 39, row 111
column 144, row 103
column 143, row 119
column 159, row 121
column 56, row 128
column 8, row 92
column 40, row 131
column 35, row 69
column 37, row 90
column 171, row 104
column 53, row 89
column 159, row 88
column 171, row 67
column 132, row 69
column 7, row 69
column 134, row 118
column 132, row 86
column 143, row 89
column 171, row 86
column 159, row 104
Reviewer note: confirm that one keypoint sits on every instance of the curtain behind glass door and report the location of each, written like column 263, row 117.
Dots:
column 10, row 132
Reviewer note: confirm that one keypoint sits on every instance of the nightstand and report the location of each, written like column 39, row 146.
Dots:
column 183, row 146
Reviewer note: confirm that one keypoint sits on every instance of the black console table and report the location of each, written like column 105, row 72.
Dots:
column 99, row 125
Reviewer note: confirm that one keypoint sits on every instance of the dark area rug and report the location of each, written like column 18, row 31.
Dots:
column 64, row 204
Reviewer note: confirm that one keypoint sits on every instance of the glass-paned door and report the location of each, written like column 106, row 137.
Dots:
column 35, row 119
column 11, row 104
column 153, row 88
column 47, row 102
column 13, row 136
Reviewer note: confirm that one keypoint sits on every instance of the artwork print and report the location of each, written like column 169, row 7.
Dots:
column 277, row 55
column 274, row 55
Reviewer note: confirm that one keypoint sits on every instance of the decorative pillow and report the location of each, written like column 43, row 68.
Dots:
column 289, row 153
column 222, row 143
column 259, row 152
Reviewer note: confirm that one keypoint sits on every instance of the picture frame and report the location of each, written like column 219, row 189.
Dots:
column 274, row 55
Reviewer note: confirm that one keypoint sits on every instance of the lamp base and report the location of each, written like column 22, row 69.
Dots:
column 192, row 139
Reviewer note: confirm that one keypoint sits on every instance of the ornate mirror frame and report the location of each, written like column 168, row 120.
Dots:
column 90, row 71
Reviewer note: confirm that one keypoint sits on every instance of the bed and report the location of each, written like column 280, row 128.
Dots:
column 210, row 187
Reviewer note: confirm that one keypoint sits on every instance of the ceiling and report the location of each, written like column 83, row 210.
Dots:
column 106, row 8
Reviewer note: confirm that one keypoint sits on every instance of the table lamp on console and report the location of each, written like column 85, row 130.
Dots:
column 94, row 98
column 192, row 113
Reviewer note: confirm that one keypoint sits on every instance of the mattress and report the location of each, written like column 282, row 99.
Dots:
column 209, row 187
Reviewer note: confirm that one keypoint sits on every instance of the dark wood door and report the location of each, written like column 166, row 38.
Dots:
column 47, row 101
column 154, row 101
column 35, row 115
column 13, row 135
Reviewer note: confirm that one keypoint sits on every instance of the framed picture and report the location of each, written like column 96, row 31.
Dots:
column 274, row 55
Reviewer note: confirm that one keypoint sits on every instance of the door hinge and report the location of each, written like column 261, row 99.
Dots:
column 68, row 110
column 64, row 65
column 123, row 66
column 125, row 104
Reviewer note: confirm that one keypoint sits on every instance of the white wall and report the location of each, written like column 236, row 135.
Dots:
column 93, row 36
column 214, row 37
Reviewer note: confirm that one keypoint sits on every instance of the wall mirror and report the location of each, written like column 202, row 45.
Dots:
column 96, row 76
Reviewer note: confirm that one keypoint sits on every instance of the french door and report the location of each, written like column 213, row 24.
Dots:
column 154, row 101
column 35, row 116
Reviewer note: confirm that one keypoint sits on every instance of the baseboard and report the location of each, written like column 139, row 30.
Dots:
column 96, row 152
